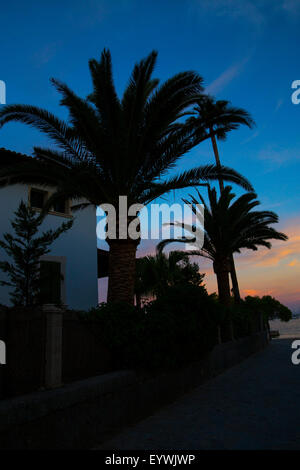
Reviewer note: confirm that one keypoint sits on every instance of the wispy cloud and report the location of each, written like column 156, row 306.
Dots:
column 275, row 157
column 226, row 77
column 245, row 9
column 89, row 14
column 281, row 254
column 46, row 53
column 279, row 104
column 290, row 6
column 255, row 13
column 252, row 137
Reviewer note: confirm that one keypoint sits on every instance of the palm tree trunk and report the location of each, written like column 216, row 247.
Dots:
column 221, row 270
column 217, row 157
column 138, row 300
column 223, row 287
column 121, row 270
column 234, row 281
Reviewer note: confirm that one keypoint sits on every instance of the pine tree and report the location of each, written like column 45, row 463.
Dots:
column 26, row 248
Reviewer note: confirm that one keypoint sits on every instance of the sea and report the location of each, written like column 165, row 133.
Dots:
column 290, row 329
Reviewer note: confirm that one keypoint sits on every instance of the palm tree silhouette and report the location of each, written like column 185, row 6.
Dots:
column 229, row 226
column 217, row 118
column 115, row 147
column 156, row 272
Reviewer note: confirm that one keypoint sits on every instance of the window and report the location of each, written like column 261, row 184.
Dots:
column 51, row 279
column 60, row 206
column 37, row 198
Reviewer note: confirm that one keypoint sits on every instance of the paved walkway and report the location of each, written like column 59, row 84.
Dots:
column 254, row 405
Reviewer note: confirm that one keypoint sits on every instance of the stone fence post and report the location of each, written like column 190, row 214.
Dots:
column 261, row 322
column 53, row 359
column 219, row 334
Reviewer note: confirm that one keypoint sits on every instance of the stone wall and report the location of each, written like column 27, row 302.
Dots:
column 84, row 413
column 46, row 347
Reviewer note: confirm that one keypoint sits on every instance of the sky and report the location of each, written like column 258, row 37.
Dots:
column 246, row 51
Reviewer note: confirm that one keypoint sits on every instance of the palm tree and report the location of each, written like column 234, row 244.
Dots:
column 229, row 226
column 115, row 147
column 217, row 118
column 155, row 273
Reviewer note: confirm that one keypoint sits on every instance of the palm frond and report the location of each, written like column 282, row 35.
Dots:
column 104, row 94
column 55, row 128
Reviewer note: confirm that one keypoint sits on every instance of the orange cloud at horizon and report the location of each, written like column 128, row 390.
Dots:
column 273, row 272
column 251, row 292
column 268, row 272
column 293, row 263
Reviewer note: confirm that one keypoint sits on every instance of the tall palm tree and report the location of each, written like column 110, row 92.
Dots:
column 157, row 272
column 115, row 147
column 229, row 226
column 217, row 118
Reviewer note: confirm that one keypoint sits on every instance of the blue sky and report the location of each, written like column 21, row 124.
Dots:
column 246, row 51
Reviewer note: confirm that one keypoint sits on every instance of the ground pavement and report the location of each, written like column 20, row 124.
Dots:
column 253, row 405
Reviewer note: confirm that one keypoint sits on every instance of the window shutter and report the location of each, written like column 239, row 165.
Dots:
column 50, row 275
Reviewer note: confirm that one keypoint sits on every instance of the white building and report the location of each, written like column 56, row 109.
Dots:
column 72, row 261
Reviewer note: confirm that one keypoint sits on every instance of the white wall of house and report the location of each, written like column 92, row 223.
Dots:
column 78, row 246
